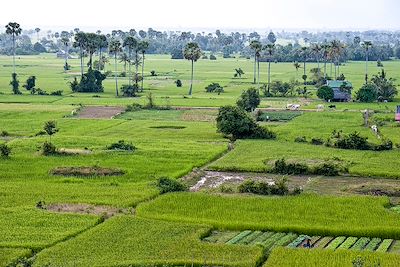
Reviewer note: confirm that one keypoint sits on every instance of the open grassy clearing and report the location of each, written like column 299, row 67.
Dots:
column 304, row 214
column 127, row 241
column 287, row 257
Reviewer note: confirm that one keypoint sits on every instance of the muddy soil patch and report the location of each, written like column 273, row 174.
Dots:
column 84, row 209
column 86, row 171
column 100, row 112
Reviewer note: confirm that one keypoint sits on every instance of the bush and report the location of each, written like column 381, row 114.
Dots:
column 368, row 93
column 326, row 169
column 249, row 100
column 122, row 145
column 58, row 93
column 282, row 167
column 386, row 144
column 317, row 141
column 280, row 88
column 352, row 141
column 234, row 121
column 49, row 149
column 301, row 139
column 129, row 90
column 41, row 92
column 279, row 187
column 178, row 83
column 166, row 185
column 214, row 88
column 4, row 134
column 122, row 74
column 15, row 84
column 5, row 150
column 325, row 93
column 134, row 107
column 212, row 57
column 153, row 73
column 91, row 82
column 30, row 84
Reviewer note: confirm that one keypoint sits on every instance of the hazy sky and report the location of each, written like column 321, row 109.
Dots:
column 203, row 14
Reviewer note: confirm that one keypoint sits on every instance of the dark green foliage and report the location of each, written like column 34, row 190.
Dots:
column 214, row 88
column 386, row 88
column 57, row 93
column 129, row 90
column 30, row 84
column 212, row 57
column 50, row 127
column 368, row 93
column 39, row 48
column 74, row 85
column 352, row 141
column 249, row 100
column 238, row 73
column 5, row 150
column 279, row 88
column 282, row 167
column 178, row 83
column 279, row 187
column 4, row 133
column 92, row 81
column 41, row 92
column 153, row 73
column 300, row 139
column 236, row 122
column 325, row 93
column 277, row 115
column 49, row 149
column 134, row 107
column 166, row 185
column 326, row 169
column 386, row 144
column 317, row 141
column 122, row 145
column 15, row 84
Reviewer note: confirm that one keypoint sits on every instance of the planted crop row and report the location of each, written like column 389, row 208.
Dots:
column 348, row 243
column 261, row 238
column 246, row 240
column 336, row 242
column 384, row 246
column 373, row 244
column 323, row 242
column 295, row 243
column 360, row 244
column 239, row 237
column 267, row 244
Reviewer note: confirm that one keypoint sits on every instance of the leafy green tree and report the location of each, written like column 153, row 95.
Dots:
column 37, row 30
column 368, row 93
column 91, row 47
column 325, row 93
column 5, row 150
column 115, row 48
column 236, row 122
column 193, row 53
column 249, row 100
column 271, row 37
column 386, row 87
column 30, row 84
column 80, row 41
column 367, row 46
column 281, row 88
column 143, row 46
column 238, row 73
column 317, row 50
column 14, row 30
column 102, row 43
column 304, row 52
column 130, row 44
column 297, row 66
column 15, row 84
column 214, row 87
column 50, row 127
column 65, row 41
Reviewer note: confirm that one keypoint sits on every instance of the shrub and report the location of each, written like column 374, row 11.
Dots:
column 58, row 93
column 212, row 57
column 368, row 93
column 41, row 92
column 282, row 167
column 352, row 141
column 326, row 169
column 166, row 185
column 129, row 90
column 153, row 73
column 234, row 121
column 74, row 85
column 300, row 139
column 30, row 84
column 5, row 150
column 4, row 134
column 122, row 145
column 386, row 144
column 15, row 84
column 214, row 88
column 49, row 149
column 249, row 100
column 92, row 81
column 325, row 93
column 134, row 107
column 122, row 74
column 317, row 141
column 279, row 187
column 178, row 83
column 280, row 88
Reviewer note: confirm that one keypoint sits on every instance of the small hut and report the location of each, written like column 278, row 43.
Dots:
column 341, row 90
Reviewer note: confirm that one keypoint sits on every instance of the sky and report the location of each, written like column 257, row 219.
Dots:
column 203, row 14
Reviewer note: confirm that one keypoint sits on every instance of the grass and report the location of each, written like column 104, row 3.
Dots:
column 285, row 257
column 10, row 255
column 127, row 241
column 304, row 214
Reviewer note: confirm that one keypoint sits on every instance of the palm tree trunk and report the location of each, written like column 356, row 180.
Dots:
column 137, row 68
column 115, row 74
column 258, row 75
column 335, row 70
column 366, row 67
column 269, row 75
column 325, row 68
column 14, row 53
column 142, row 72
column 255, row 66
column 81, row 52
column 319, row 71
column 99, row 65
column 191, row 80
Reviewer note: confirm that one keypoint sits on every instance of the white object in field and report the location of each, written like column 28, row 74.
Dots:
column 320, row 107
column 296, row 107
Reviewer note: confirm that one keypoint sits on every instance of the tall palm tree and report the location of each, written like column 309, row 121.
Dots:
column 297, row 67
column 130, row 43
column 65, row 41
column 270, row 48
column 102, row 44
column 336, row 51
column 14, row 30
column 143, row 45
column 317, row 50
column 304, row 52
column 91, row 47
column 256, row 46
column 366, row 45
column 37, row 30
column 124, row 58
column 80, row 41
column 192, row 52
column 115, row 48
column 325, row 54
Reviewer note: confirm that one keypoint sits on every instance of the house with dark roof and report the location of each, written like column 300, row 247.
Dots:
column 341, row 90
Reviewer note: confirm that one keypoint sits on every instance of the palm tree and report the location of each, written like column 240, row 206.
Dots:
column 325, row 54
column 256, row 46
column 130, row 43
column 143, row 45
column 37, row 30
column 14, row 30
column 366, row 45
column 80, row 41
column 270, row 48
column 336, row 51
column 317, row 49
column 124, row 58
column 65, row 41
column 304, row 52
column 297, row 67
column 102, row 43
column 91, row 47
column 192, row 52
column 115, row 48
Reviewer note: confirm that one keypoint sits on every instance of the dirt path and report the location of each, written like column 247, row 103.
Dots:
column 100, row 112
